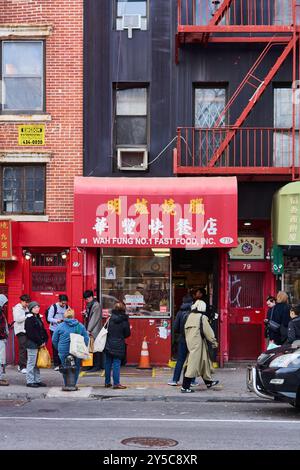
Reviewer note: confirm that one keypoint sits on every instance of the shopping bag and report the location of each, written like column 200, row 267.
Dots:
column 78, row 347
column 43, row 360
column 88, row 362
column 100, row 341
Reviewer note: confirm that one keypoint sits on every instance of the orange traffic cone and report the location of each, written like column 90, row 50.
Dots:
column 144, row 359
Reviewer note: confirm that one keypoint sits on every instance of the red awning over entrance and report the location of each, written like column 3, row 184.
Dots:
column 155, row 212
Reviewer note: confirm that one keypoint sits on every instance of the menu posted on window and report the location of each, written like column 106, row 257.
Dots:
column 5, row 240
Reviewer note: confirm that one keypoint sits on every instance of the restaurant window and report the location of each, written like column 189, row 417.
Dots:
column 138, row 277
column 291, row 278
column 22, row 76
column 23, row 189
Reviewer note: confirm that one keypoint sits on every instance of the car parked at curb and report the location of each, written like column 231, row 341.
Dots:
column 276, row 375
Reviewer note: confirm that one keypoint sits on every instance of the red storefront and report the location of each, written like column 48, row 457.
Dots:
column 43, row 264
column 147, row 240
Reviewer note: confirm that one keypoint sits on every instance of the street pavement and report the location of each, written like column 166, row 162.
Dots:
column 141, row 385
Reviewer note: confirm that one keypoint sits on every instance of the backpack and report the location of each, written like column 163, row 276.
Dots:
column 55, row 311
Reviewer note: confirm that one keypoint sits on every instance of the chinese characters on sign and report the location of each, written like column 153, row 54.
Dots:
column 154, row 221
column 293, row 218
column 5, row 240
column 249, row 248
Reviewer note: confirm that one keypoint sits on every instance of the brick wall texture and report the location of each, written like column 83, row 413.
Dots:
column 64, row 96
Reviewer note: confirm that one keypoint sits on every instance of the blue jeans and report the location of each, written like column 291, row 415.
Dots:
column 112, row 363
column 181, row 357
column 62, row 357
column 33, row 372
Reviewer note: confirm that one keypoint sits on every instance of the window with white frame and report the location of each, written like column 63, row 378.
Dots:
column 22, row 76
column 131, row 117
column 131, row 14
column 23, row 189
column 283, row 141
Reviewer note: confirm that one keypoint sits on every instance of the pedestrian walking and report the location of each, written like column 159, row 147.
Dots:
column 278, row 319
column 182, row 350
column 61, row 339
column 294, row 324
column 19, row 315
column 271, row 302
column 198, row 363
column 55, row 317
column 36, row 338
column 115, row 347
column 3, row 339
column 93, row 324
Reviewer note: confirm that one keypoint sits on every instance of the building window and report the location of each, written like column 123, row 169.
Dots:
column 23, row 189
column 209, row 114
column 22, row 76
column 283, row 122
column 131, row 128
column 140, row 277
column 131, row 14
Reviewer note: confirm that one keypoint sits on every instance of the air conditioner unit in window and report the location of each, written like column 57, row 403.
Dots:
column 131, row 22
column 133, row 158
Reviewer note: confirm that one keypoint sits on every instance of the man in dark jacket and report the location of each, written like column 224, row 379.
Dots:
column 36, row 338
column 279, row 314
column 182, row 351
column 115, row 347
column 93, row 324
column 294, row 324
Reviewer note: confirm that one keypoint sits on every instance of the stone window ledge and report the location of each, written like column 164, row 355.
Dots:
column 25, row 157
column 30, row 31
column 24, row 117
column 25, row 218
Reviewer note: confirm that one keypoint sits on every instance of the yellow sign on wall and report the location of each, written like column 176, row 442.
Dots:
column 2, row 272
column 32, row 134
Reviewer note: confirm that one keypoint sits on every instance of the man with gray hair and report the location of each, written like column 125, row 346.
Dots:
column 3, row 339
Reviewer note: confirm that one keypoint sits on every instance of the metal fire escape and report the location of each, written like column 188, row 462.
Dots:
column 234, row 149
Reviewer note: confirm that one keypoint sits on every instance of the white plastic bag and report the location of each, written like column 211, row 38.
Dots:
column 78, row 347
column 100, row 341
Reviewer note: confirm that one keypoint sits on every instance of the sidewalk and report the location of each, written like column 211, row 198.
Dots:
column 142, row 385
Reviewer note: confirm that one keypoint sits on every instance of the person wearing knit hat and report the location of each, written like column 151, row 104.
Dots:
column 32, row 305
column 3, row 339
column 36, row 338
column 199, row 306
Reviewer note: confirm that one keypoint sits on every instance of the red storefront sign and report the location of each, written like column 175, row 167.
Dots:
column 5, row 240
column 156, row 212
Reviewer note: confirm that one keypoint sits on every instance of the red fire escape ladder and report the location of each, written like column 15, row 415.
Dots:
column 218, row 16
column 253, row 100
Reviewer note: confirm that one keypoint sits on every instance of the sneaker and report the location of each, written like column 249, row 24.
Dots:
column 119, row 386
column 24, row 371
column 41, row 384
column 19, row 369
column 107, row 385
column 212, row 383
column 173, row 383
column 34, row 385
column 195, row 384
column 4, row 383
column 56, row 368
column 187, row 390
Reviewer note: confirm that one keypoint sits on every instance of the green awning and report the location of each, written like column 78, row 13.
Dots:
column 286, row 215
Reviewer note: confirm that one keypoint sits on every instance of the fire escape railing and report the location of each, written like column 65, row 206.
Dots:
column 251, row 150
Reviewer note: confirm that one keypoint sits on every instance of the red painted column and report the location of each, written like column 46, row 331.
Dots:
column 223, row 302
column 76, row 269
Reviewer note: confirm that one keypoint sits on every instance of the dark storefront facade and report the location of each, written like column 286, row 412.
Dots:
column 192, row 90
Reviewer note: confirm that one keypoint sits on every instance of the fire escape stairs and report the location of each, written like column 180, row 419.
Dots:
column 217, row 17
column 260, row 87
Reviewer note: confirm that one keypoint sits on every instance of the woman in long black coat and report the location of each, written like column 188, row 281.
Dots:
column 115, row 347
column 280, row 313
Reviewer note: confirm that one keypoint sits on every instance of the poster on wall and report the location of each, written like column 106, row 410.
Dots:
column 249, row 248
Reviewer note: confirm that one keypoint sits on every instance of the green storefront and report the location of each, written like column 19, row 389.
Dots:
column 286, row 238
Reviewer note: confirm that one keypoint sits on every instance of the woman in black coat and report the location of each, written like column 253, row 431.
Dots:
column 115, row 347
column 280, row 314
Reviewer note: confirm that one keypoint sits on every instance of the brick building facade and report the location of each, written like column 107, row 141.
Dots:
column 42, row 76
